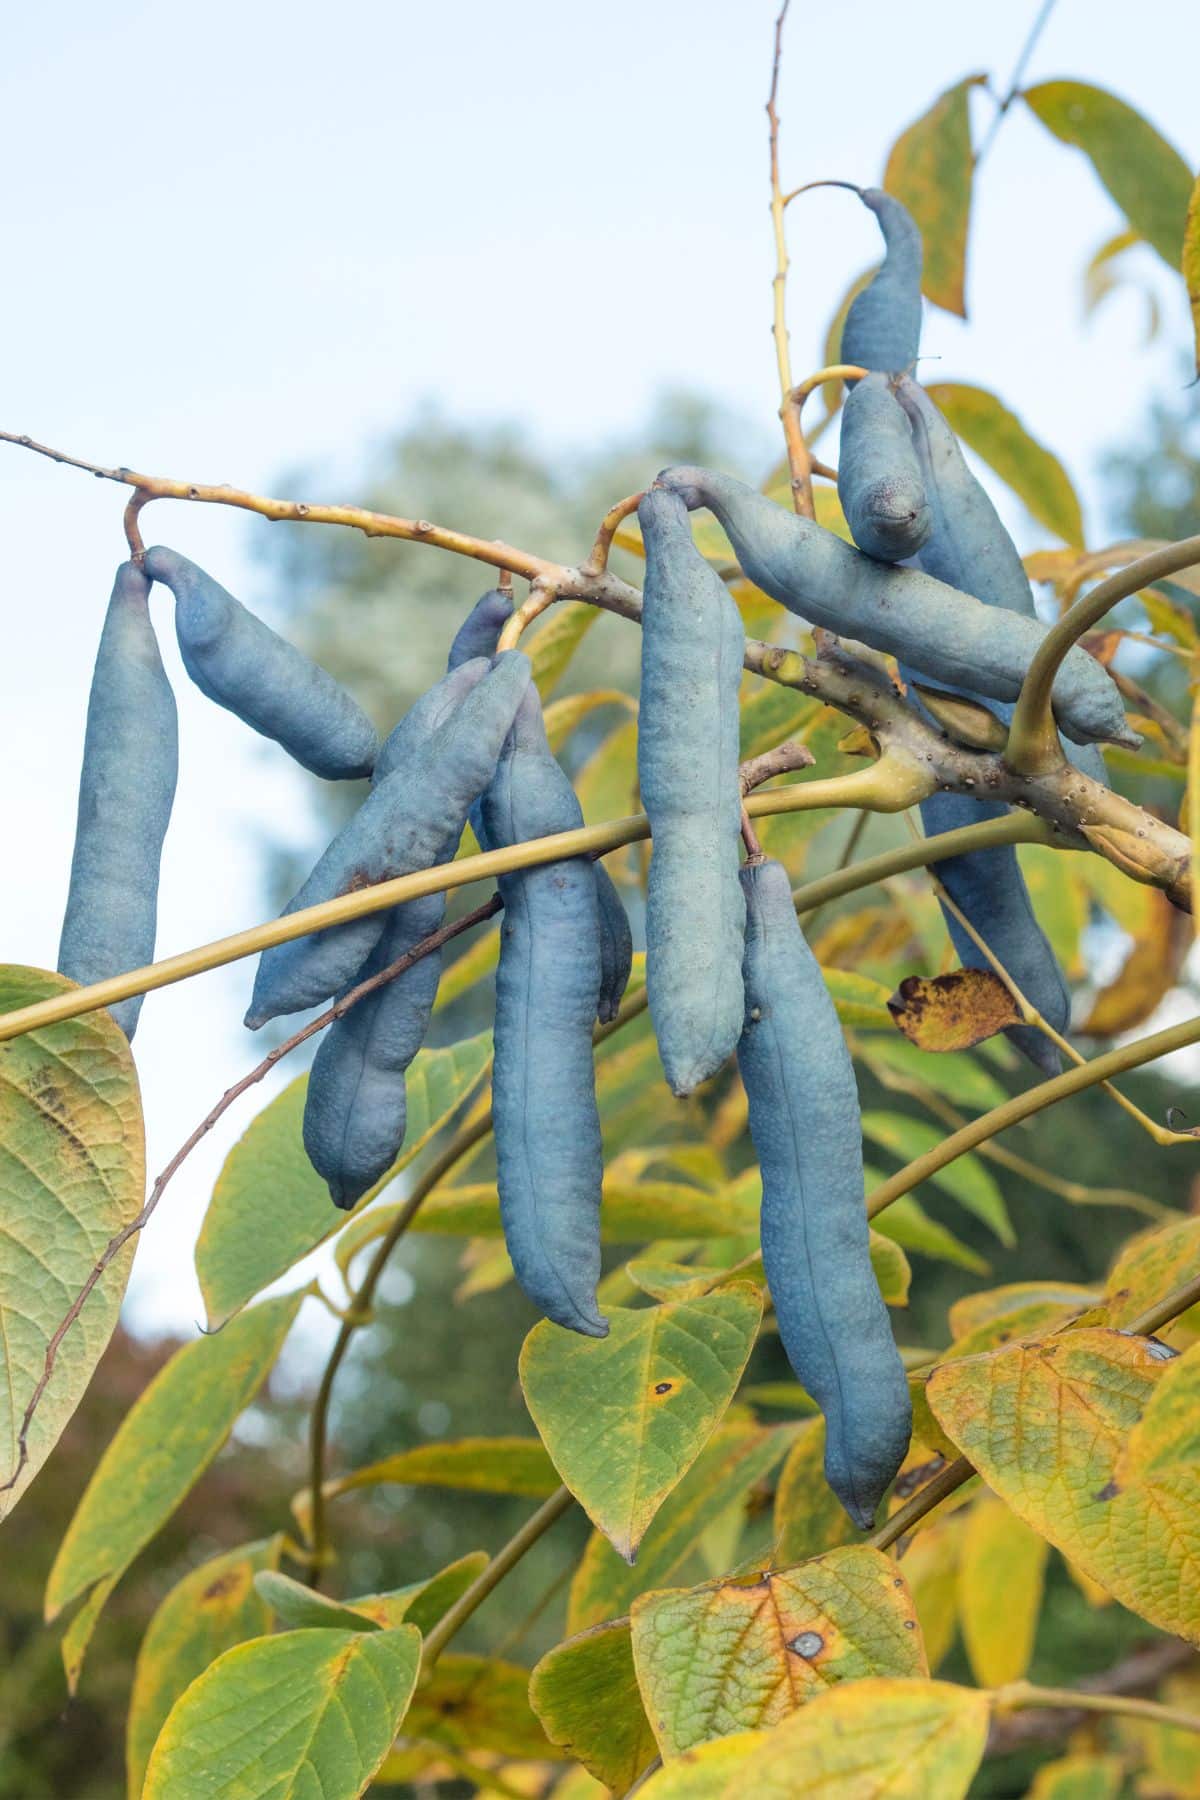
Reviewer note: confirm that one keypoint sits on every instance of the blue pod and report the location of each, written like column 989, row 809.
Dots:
column 804, row 1120
column 401, row 827
column 879, row 482
column 692, row 648
column 883, row 324
column 549, row 1162
column 126, row 791
column 943, row 632
column 478, row 635
column 354, row 1110
column 238, row 661
column 425, row 715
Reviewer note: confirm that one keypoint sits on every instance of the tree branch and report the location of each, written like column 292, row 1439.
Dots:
column 1144, row 1668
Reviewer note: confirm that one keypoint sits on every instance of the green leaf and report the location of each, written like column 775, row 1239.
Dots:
column 551, row 646
column 931, row 168
column 502, row 1465
column 1190, row 263
column 965, row 1180
column 270, row 1208
column 907, row 1223
column 956, row 1075
column 423, row 1603
column 809, row 1517
column 996, row 435
column 739, row 1456
column 280, row 1718
column 585, row 1692
column 625, row 1416
column 213, row 1608
column 631, row 1212
column 479, row 1703
column 298, row 1606
column 770, row 714
column 162, row 1447
column 735, row 1655
column 1085, row 1777
column 861, row 1003
column 72, row 1175
column 1145, row 175
column 910, row 1740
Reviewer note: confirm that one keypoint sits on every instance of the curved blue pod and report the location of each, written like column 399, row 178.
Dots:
column 126, row 791
column 354, row 1110
column 804, row 1120
column 238, row 661
column 940, row 630
column 692, row 648
column 401, row 827
column 879, row 482
column 425, row 715
column 549, row 1163
column 883, row 324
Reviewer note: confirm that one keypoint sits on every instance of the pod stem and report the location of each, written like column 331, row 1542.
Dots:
column 597, row 559
column 1016, row 1695
column 1033, row 746
column 542, row 595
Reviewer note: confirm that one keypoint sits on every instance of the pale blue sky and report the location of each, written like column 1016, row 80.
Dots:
column 262, row 233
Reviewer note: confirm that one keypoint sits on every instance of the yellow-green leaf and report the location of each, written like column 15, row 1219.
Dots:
column 607, row 783
column 502, row 1465
column 1001, row 1578
column 566, row 715
column 931, row 168
column 862, row 1004
column 423, row 1603
column 1080, row 1777
column 907, row 1223
column 585, row 1693
column 884, row 1736
column 930, row 1566
column 472, row 966
column 298, row 1606
column 162, row 1447
column 1091, row 1438
column 551, row 645
column 809, row 1517
column 270, row 1208
column 686, row 1281
column 736, row 1655
column 1150, row 1265
column 478, row 1703
column 1145, row 175
column 966, row 1180
column 976, row 1310
column 737, row 1458
column 213, row 1608
column 998, row 437
column 1191, row 263
column 632, row 1212
column 625, row 1416
column 308, row 1712
column 72, row 1175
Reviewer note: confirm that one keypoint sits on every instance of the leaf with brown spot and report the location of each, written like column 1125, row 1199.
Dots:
column 930, row 1566
column 954, row 1011
column 931, row 169
column 733, row 1655
column 1092, row 1439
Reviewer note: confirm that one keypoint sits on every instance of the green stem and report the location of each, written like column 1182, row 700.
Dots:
column 1012, row 828
column 560, row 1501
column 1033, row 745
column 1035, row 1100
column 1020, row 1694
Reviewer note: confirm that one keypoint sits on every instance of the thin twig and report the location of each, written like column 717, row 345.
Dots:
column 551, row 1510
column 1143, row 1669
column 1014, row 86
column 799, row 459
column 784, row 759
column 116, row 1244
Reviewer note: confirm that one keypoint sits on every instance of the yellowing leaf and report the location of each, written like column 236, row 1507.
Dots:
column 885, row 1736
column 565, row 716
column 1079, row 1778
column 1149, row 972
column 551, row 645
column 270, row 1207
column 472, row 966
column 1169, row 619
column 502, row 1465
column 1169, row 1754
column 478, row 1703
column 686, row 1281
column 1191, row 263
column 1150, row 1265
column 735, row 1655
column 954, row 1011
column 72, row 1175
column 738, row 1457
column 1147, row 178
column 624, row 1417
column 809, row 1517
column 213, row 1608
column 975, row 1311
column 998, row 437
column 931, row 168
column 162, row 1447
column 607, row 783
column 930, row 1567
column 298, row 1606
column 585, row 1693
column 1092, row 1439
column 308, row 1712
column 1001, row 1577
